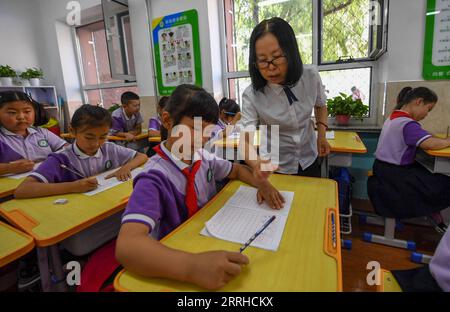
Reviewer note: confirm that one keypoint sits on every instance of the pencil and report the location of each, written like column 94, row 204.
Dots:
column 73, row 171
column 265, row 225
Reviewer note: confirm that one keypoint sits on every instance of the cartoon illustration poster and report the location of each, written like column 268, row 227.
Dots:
column 177, row 50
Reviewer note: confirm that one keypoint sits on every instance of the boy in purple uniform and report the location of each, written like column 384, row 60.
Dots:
column 401, row 187
column 21, row 144
column 172, row 188
column 127, row 120
column 154, row 124
column 71, row 170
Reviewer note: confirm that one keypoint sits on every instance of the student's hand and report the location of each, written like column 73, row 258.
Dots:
column 22, row 165
column 123, row 174
column 214, row 269
column 84, row 185
column 129, row 136
column 266, row 192
column 323, row 147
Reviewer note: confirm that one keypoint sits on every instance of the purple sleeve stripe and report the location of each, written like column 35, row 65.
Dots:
column 423, row 139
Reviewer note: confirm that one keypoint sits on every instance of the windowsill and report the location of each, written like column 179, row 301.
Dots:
column 361, row 128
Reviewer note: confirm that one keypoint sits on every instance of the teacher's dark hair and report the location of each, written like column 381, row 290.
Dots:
column 288, row 43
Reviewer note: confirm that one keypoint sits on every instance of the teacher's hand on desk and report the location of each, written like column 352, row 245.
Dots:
column 267, row 192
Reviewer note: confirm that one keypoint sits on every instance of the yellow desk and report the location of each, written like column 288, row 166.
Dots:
column 436, row 161
column 445, row 152
column 234, row 142
column 13, row 244
column 388, row 282
column 49, row 224
column 156, row 139
column 347, row 142
column 8, row 186
column 141, row 136
column 305, row 260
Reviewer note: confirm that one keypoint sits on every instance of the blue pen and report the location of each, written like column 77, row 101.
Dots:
column 333, row 229
column 257, row 234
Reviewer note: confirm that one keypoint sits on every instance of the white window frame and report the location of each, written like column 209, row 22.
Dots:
column 370, row 121
column 100, row 86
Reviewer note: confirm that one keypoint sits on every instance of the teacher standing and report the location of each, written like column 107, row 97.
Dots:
column 284, row 93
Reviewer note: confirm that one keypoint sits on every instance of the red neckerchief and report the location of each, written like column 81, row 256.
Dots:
column 398, row 114
column 191, row 195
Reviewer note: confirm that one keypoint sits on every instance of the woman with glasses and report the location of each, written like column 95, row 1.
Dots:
column 284, row 93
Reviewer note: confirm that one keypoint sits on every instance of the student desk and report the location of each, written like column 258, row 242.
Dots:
column 304, row 261
column 388, row 282
column 49, row 224
column 8, row 186
column 156, row 139
column 344, row 144
column 140, row 136
column 436, row 161
column 13, row 244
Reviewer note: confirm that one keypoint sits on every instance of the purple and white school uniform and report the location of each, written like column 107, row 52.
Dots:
column 154, row 124
column 122, row 123
column 159, row 196
column 440, row 263
column 37, row 145
column 109, row 156
column 401, row 187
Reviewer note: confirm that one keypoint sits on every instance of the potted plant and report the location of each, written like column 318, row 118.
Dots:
column 344, row 106
column 34, row 75
column 6, row 75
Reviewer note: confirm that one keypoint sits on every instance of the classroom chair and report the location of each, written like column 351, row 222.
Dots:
column 389, row 232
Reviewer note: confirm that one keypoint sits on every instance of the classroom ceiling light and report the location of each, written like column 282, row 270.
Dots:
column 270, row 2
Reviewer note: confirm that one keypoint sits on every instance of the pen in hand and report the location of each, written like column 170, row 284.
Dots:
column 73, row 171
column 265, row 225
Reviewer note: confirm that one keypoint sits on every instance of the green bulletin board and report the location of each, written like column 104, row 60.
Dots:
column 177, row 50
column 436, row 56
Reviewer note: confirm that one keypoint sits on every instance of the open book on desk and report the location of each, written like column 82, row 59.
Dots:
column 242, row 216
column 106, row 184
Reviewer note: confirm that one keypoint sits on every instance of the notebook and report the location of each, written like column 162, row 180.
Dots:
column 106, row 184
column 242, row 216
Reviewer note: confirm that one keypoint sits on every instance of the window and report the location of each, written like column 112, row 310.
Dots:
column 346, row 30
column 98, row 86
column 350, row 36
column 355, row 81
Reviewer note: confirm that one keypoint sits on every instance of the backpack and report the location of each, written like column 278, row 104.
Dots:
column 344, row 180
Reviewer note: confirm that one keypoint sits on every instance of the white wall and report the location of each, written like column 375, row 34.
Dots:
column 404, row 59
column 142, row 47
column 19, row 35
